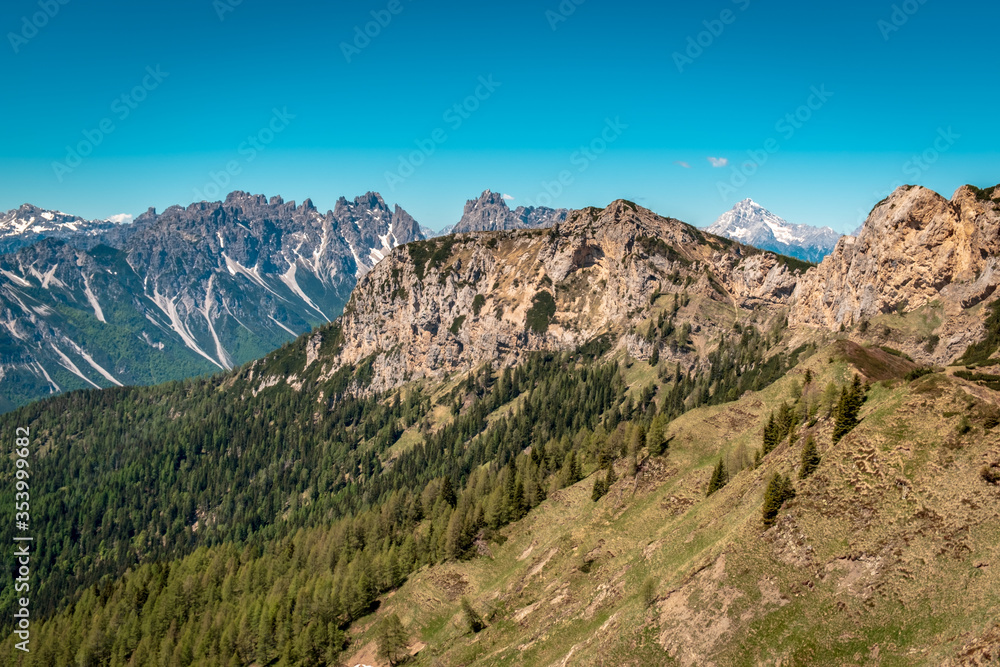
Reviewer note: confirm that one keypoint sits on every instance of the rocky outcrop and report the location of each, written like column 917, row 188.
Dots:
column 916, row 248
column 490, row 213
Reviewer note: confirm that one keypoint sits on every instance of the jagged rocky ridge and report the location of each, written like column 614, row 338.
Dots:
column 490, row 213
column 187, row 291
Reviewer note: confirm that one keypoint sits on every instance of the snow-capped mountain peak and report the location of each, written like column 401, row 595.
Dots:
column 750, row 223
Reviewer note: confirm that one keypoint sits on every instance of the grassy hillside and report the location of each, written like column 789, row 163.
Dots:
column 887, row 555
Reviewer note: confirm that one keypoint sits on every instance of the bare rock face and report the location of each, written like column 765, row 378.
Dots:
column 915, row 248
column 449, row 304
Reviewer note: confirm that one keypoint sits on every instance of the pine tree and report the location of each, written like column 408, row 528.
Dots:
column 654, row 359
column 810, row 458
column 391, row 640
column 447, row 493
column 771, row 436
column 600, row 488
column 848, row 409
column 571, row 469
column 655, row 439
column 779, row 490
column 719, row 478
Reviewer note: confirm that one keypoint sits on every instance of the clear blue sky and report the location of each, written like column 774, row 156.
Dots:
column 554, row 85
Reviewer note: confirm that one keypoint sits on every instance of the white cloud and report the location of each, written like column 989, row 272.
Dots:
column 681, row 163
column 507, row 197
column 718, row 161
column 121, row 218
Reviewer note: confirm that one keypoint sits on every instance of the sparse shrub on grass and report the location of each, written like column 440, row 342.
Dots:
column 896, row 353
column 472, row 618
column 991, row 474
column 963, row 426
column 989, row 380
column 931, row 343
column 917, row 373
column 648, row 592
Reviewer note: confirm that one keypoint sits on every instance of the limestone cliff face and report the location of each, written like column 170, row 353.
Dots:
column 449, row 304
column 915, row 248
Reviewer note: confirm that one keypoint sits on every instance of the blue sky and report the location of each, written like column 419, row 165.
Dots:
column 570, row 103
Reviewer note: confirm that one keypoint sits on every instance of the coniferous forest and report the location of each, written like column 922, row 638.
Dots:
column 207, row 523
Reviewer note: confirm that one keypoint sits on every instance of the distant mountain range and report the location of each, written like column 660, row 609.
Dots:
column 750, row 223
column 23, row 226
column 188, row 291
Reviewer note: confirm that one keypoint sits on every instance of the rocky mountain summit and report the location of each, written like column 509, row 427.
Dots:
column 190, row 290
column 918, row 253
column 28, row 224
column 490, row 213
column 448, row 304
column 749, row 222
